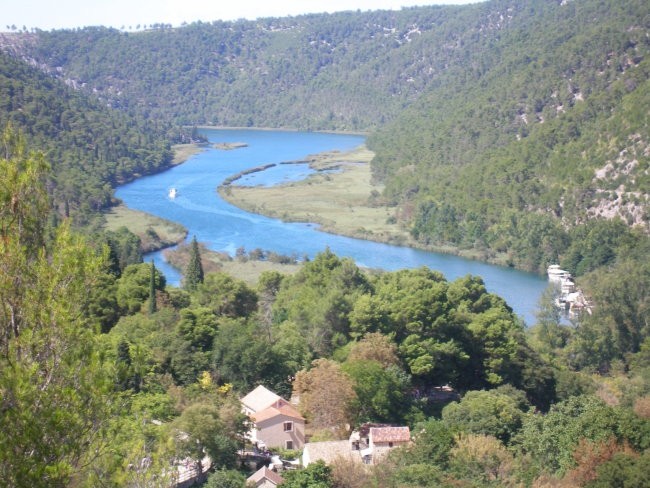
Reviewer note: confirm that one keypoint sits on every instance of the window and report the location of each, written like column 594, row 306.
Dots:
column 288, row 426
column 288, row 444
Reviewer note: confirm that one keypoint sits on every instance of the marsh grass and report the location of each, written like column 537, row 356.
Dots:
column 343, row 202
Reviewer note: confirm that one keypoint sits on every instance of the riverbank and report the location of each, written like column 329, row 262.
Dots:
column 284, row 129
column 154, row 233
column 183, row 152
column 344, row 201
column 157, row 234
column 243, row 267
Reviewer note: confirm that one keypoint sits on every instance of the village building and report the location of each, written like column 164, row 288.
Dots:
column 382, row 439
column 369, row 445
column 328, row 451
column 276, row 423
column 264, row 478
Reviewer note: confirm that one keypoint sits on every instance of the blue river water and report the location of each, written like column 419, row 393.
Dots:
column 224, row 227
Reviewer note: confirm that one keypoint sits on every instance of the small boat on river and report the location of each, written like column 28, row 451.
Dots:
column 172, row 193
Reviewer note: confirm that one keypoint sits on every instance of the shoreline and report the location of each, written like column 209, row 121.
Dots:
column 348, row 204
column 285, row 129
column 155, row 233
column 385, row 233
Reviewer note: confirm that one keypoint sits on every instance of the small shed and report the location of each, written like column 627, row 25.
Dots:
column 264, row 478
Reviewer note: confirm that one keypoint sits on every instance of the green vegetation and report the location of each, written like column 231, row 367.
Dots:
column 345, row 201
column 193, row 275
column 539, row 134
column 153, row 232
column 516, row 131
column 93, row 383
column 91, row 149
column 500, row 129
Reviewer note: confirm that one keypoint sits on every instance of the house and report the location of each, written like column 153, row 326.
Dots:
column 264, row 478
column 383, row 439
column 368, row 445
column 276, row 423
column 328, row 451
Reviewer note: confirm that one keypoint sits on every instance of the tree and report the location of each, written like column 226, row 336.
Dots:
column 316, row 475
column 482, row 458
column 432, row 443
column 375, row 347
column 551, row 439
column 624, row 470
column 494, row 413
column 621, row 296
column 225, row 295
column 133, row 287
column 318, row 299
column 326, row 395
column 152, row 289
column 194, row 270
column 55, row 395
column 223, row 478
column 383, row 393
column 201, row 432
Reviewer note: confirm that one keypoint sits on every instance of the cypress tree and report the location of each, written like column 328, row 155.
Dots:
column 194, row 270
column 152, row 289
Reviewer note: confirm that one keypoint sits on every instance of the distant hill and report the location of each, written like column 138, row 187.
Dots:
column 347, row 70
column 91, row 148
column 504, row 126
column 542, row 130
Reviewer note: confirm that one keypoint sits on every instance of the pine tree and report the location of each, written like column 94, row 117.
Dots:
column 194, row 270
column 152, row 289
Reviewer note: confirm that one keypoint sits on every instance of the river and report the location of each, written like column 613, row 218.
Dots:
column 223, row 227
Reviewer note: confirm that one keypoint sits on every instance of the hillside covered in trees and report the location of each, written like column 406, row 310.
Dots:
column 91, row 148
column 503, row 127
column 519, row 129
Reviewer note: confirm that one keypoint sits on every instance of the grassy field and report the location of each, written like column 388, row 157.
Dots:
column 344, row 202
column 154, row 232
column 182, row 152
column 247, row 270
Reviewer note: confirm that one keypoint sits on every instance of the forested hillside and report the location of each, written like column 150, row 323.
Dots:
column 502, row 127
column 348, row 71
column 91, row 148
column 547, row 129
column 518, row 128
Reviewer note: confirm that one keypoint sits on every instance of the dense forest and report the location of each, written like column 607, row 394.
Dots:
column 108, row 375
column 535, row 142
column 502, row 127
column 519, row 129
column 91, row 149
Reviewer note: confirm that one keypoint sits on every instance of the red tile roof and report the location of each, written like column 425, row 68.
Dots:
column 390, row 434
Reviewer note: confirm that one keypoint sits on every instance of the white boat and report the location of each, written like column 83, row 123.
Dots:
column 172, row 193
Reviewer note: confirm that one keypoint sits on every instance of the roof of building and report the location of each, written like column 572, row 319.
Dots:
column 328, row 451
column 390, row 434
column 265, row 472
column 260, row 398
column 280, row 407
